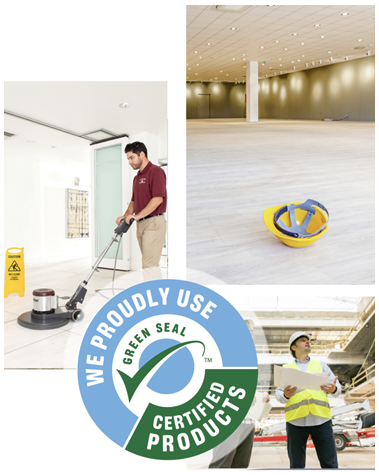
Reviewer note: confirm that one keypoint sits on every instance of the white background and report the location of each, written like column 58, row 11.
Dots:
column 45, row 426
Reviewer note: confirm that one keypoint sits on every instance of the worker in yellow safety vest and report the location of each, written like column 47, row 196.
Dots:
column 307, row 412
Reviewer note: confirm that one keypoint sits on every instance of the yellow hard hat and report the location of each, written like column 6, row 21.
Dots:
column 297, row 224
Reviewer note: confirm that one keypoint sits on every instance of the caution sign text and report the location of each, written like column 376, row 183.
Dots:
column 14, row 282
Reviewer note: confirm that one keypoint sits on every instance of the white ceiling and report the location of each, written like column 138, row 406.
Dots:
column 260, row 26
column 80, row 107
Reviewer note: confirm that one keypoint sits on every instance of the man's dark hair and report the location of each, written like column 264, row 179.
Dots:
column 136, row 147
column 293, row 353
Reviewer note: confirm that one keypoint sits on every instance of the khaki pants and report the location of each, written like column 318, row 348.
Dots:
column 150, row 235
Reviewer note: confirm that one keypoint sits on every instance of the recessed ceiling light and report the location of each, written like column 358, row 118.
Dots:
column 294, row 34
column 298, row 59
column 322, row 36
column 243, row 54
column 360, row 40
column 318, row 24
column 303, row 55
column 195, row 52
column 302, row 43
column 280, row 59
column 233, row 59
column 292, row 61
column 280, row 64
column 277, row 41
column 195, row 74
column 125, row 105
column 285, row 49
column 220, row 71
column 200, row 57
column 344, row 14
column 233, row 28
column 208, row 44
column 197, row 65
column 262, row 47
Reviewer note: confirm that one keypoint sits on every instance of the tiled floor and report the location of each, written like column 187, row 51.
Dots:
column 59, row 348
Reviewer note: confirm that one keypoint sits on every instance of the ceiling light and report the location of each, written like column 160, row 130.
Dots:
column 125, row 105
column 215, row 78
column 360, row 40
column 233, row 59
column 200, row 57
column 298, row 59
column 197, row 65
column 280, row 64
column 208, row 44
column 285, row 49
column 320, row 61
column 293, row 67
column 220, row 71
column 329, row 52
column 195, row 52
column 368, row 53
column 346, row 58
column 303, row 55
column 331, row 58
column 318, row 24
column 262, row 47
column 233, row 28
column 277, row 41
column 243, row 54
column 280, row 59
column 294, row 34
column 313, row 63
column 281, row 72
column 322, row 36
column 344, row 14
column 302, row 43
column 306, row 65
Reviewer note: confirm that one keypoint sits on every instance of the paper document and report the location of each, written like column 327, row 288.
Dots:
column 284, row 377
column 259, row 410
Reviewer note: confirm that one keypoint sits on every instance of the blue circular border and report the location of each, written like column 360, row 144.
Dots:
column 224, row 324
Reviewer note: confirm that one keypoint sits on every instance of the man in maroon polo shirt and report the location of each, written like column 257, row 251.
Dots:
column 148, row 203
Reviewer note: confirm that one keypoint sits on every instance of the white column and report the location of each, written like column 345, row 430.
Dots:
column 252, row 91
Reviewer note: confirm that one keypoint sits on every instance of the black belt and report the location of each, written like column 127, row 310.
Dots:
column 147, row 217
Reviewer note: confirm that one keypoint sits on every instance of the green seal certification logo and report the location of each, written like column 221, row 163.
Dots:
column 167, row 369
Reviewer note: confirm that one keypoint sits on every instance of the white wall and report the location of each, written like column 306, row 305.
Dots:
column 35, row 206
column 56, row 176
column 22, row 205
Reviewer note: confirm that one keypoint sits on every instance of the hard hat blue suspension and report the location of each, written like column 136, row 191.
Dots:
column 295, row 230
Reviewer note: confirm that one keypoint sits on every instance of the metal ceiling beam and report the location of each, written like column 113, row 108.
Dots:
column 55, row 127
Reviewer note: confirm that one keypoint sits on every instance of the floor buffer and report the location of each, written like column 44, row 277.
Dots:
column 47, row 314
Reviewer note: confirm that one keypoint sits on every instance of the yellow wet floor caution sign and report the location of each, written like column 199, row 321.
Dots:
column 14, row 282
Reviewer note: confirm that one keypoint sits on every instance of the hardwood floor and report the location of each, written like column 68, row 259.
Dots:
column 235, row 170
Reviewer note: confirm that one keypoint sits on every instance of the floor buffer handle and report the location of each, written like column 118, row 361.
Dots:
column 80, row 292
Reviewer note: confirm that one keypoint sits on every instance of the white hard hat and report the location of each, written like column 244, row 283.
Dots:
column 297, row 335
